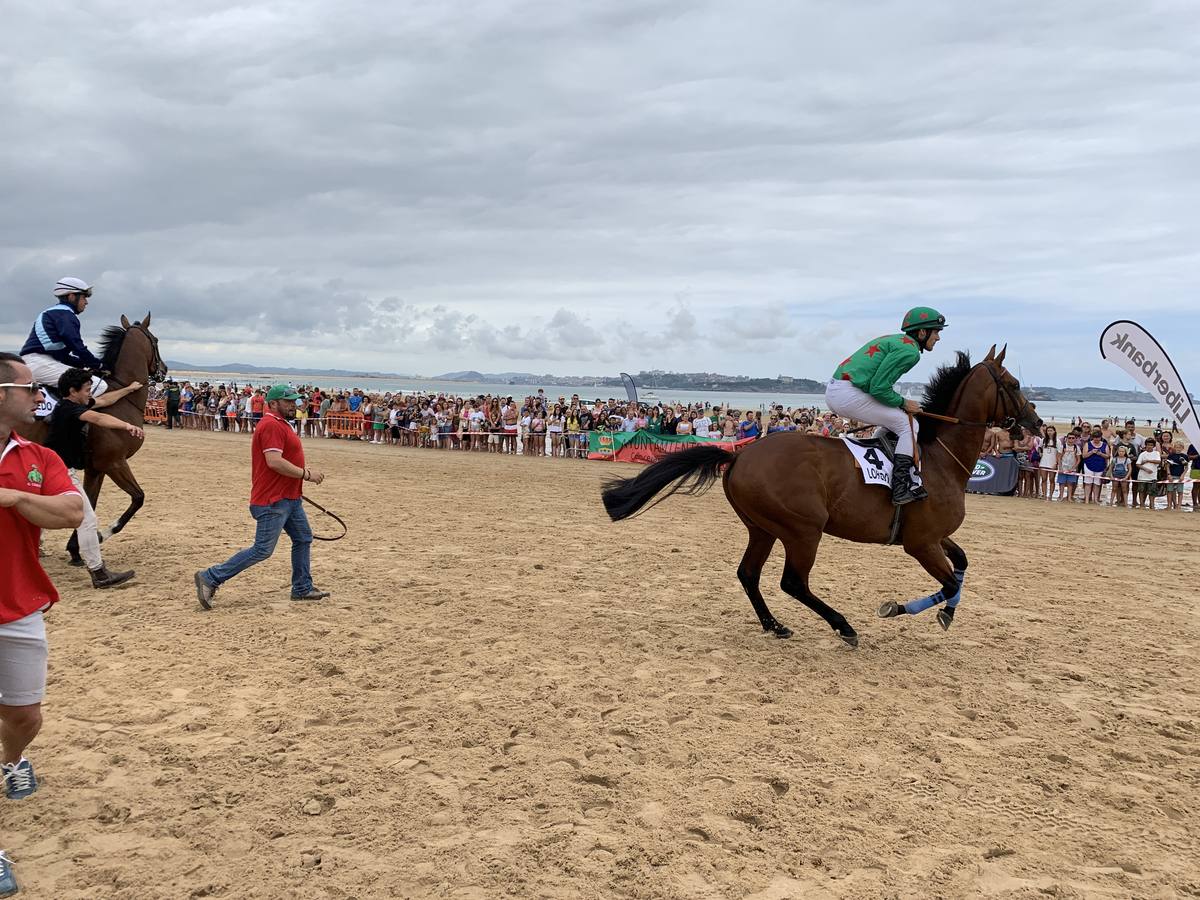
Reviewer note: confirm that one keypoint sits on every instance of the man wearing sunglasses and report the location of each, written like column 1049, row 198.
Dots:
column 54, row 344
column 35, row 493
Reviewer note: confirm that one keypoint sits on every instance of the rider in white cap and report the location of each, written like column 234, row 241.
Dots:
column 54, row 344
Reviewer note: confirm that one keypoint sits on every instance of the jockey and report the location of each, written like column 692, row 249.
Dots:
column 864, row 388
column 54, row 344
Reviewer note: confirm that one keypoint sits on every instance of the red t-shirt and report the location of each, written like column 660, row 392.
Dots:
column 267, row 486
column 25, row 587
column 256, row 404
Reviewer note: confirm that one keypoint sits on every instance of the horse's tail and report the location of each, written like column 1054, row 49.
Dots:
column 694, row 471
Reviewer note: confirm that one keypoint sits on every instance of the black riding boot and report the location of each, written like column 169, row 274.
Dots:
column 102, row 578
column 903, row 489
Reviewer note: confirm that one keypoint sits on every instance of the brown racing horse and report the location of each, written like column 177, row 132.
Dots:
column 794, row 487
column 130, row 353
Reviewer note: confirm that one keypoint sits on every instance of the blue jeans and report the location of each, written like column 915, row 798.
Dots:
column 282, row 515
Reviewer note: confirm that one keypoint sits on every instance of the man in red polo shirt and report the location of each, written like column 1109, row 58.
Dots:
column 35, row 493
column 276, row 473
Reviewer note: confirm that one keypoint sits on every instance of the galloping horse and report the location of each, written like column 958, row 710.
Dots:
column 130, row 352
column 794, row 487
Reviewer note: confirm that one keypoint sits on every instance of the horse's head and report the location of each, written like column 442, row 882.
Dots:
column 147, row 344
column 1009, row 405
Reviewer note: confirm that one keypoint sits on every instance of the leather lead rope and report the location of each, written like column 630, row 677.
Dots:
column 317, row 537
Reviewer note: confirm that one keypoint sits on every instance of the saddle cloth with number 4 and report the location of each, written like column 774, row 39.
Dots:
column 875, row 464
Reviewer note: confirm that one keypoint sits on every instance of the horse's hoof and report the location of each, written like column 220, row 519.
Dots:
column 782, row 632
column 891, row 609
column 851, row 639
column 945, row 618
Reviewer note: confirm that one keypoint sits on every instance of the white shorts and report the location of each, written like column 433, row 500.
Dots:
column 23, row 654
column 1092, row 477
column 47, row 370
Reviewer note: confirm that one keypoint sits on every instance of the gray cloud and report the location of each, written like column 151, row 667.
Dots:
column 454, row 186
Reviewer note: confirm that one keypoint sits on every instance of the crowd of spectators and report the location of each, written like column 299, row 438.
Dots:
column 536, row 425
column 1103, row 463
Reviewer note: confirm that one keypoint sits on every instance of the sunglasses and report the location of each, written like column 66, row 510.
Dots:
column 33, row 387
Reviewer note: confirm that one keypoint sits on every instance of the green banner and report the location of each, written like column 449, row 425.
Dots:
column 643, row 446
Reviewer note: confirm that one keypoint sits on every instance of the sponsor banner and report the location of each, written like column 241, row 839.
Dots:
column 645, row 446
column 1129, row 346
column 994, row 475
column 630, row 387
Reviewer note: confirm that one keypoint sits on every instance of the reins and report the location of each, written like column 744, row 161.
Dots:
column 1002, row 392
column 955, row 458
column 334, row 516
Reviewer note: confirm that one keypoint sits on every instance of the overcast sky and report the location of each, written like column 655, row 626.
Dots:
column 751, row 188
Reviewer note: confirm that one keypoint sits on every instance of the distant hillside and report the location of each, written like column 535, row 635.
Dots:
column 1086, row 394
column 248, row 369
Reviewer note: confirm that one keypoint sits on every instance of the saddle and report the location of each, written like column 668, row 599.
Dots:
column 882, row 440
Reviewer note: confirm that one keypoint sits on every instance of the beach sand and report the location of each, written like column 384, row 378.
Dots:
column 508, row 695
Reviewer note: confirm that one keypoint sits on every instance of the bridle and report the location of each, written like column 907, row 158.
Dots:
column 1003, row 394
column 157, row 366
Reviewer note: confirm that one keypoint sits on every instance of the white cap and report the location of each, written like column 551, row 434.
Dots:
column 71, row 285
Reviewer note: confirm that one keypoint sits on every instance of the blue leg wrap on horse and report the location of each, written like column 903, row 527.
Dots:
column 952, row 602
column 960, row 575
column 912, row 607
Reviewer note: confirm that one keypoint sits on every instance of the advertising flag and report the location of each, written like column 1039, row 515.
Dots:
column 630, row 387
column 1129, row 346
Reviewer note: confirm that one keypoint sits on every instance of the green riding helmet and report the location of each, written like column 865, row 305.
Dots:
column 922, row 317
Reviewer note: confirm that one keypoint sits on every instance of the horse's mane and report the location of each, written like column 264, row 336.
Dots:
column 111, row 340
column 940, row 391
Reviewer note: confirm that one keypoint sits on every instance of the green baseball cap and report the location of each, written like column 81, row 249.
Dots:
column 282, row 392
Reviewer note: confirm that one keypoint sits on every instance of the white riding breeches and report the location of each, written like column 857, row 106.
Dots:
column 854, row 403
column 89, row 539
column 47, row 370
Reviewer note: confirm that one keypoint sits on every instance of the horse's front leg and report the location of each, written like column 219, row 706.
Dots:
column 122, row 477
column 934, row 559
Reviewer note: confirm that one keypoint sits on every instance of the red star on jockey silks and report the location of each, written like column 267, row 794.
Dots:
column 872, row 350
column 924, row 315
column 908, row 341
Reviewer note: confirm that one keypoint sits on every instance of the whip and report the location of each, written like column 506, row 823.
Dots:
column 335, row 517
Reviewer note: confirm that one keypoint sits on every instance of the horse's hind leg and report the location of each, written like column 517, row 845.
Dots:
column 801, row 554
column 122, row 477
column 753, row 560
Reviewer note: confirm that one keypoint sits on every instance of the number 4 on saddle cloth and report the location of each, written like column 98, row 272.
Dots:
column 875, row 455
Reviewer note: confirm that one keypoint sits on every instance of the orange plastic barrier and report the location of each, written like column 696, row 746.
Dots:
column 345, row 424
column 156, row 412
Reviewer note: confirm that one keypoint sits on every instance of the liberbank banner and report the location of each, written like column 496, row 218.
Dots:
column 1130, row 346
column 645, row 446
column 994, row 475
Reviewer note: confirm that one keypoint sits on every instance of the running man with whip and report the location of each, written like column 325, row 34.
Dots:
column 277, row 474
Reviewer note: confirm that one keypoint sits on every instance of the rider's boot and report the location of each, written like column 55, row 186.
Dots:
column 903, row 489
column 102, row 578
